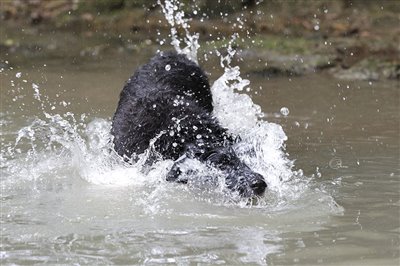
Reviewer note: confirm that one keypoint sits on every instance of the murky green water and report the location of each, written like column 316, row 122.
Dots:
column 344, row 211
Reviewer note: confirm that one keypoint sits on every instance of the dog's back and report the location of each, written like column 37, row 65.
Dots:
column 169, row 87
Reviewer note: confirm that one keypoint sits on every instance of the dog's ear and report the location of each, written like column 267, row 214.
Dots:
column 193, row 151
column 175, row 174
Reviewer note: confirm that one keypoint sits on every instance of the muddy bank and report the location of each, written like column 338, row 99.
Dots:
column 348, row 39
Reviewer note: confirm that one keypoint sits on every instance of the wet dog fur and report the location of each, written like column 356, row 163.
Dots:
column 169, row 100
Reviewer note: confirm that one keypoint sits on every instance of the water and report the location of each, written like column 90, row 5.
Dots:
column 329, row 151
column 71, row 203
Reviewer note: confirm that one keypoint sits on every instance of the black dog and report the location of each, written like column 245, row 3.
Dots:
column 169, row 101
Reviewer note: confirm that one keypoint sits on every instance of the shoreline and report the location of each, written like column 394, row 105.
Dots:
column 362, row 46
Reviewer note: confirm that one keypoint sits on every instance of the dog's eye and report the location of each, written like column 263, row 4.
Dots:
column 219, row 158
column 212, row 156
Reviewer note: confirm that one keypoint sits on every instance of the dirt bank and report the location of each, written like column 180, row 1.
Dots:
column 349, row 39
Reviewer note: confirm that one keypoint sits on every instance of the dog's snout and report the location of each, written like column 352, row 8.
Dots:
column 258, row 185
column 248, row 185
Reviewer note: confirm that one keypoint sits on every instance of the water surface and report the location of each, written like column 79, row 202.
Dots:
column 341, row 208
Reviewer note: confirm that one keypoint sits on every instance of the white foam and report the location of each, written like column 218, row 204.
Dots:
column 60, row 144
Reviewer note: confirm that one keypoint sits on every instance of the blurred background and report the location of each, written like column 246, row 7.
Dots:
column 351, row 39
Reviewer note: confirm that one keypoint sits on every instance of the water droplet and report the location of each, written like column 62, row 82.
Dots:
column 335, row 163
column 284, row 111
column 168, row 67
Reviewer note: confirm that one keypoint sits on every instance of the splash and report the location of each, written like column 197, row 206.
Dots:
column 176, row 19
column 262, row 143
column 54, row 147
column 234, row 110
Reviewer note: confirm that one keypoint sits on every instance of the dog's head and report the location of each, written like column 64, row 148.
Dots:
column 239, row 176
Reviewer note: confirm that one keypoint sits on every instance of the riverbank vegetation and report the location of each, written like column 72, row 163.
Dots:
column 350, row 39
